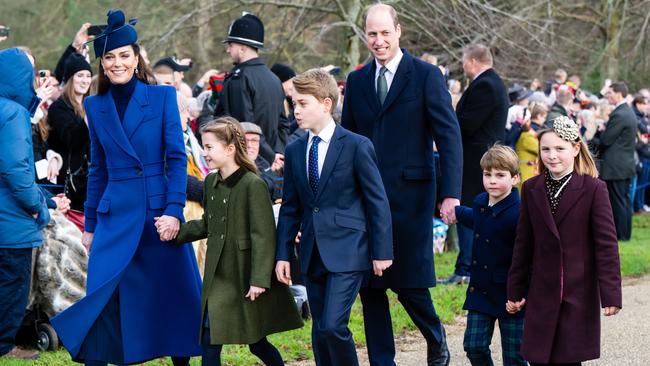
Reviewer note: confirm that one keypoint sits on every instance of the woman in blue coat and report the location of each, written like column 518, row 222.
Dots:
column 143, row 296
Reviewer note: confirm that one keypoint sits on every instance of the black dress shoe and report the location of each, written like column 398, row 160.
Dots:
column 438, row 354
column 455, row 280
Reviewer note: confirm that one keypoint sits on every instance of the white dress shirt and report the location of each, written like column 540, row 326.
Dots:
column 391, row 67
column 325, row 138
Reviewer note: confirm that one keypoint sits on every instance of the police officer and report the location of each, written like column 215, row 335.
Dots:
column 251, row 92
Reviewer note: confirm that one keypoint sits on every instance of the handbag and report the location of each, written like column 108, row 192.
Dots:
column 76, row 182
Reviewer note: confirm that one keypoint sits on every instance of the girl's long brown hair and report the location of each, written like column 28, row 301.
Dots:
column 583, row 163
column 142, row 72
column 70, row 98
column 229, row 131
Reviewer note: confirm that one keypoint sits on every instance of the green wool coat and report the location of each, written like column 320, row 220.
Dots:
column 239, row 224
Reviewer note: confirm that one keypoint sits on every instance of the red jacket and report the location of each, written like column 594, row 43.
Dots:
column 567, row 267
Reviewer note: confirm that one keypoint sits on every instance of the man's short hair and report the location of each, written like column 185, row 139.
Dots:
column 478, row 52
column 560, row 74
column 319, row 83
column 391, row 11
column 500, row 157
column 619, row 87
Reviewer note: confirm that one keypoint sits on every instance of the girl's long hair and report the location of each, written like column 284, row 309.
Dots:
column 229, row 131
column 583, row 163
column 142, row 72
column 69, row 96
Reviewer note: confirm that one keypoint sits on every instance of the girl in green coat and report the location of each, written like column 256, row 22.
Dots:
column 242, row 302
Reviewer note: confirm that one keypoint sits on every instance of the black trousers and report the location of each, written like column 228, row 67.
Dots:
column 378, row 325
column 15, row 277
column 619, row 197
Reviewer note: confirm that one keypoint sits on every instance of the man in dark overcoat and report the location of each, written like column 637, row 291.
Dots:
column 482, row 112
column 251, row 92
column 618, row 143
column 401, row 104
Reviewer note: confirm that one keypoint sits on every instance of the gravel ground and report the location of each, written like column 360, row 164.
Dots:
column 625, row 337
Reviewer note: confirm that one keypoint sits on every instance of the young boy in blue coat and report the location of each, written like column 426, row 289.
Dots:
column 334, row 195
column 493, row 218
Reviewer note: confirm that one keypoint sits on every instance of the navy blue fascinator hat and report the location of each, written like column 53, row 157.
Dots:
column 117, row 34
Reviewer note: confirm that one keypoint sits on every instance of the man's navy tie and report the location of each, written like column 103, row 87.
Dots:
column 382, row 85
column 313, row 164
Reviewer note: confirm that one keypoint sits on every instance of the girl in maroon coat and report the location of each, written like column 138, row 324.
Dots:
column 565, row 263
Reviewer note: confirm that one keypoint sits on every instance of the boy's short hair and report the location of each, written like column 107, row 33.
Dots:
column 501, row 157
column 318, row 83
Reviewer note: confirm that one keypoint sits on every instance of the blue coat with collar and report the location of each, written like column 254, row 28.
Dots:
column 137, row 172
column 417, row 111
column 495, row 229
column 348, row 218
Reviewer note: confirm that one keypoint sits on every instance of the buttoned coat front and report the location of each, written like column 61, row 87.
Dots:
column 417, row 111
column 239, row 224
column 494, row 238
column 569, row 265
column 137, row 172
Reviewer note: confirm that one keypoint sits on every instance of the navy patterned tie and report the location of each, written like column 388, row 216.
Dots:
column 313, row 164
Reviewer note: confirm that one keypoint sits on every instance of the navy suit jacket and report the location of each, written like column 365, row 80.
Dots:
column 495, row 229
column 348, row 218
column 417, row 111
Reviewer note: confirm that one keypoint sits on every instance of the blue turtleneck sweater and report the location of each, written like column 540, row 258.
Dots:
column 122, row 95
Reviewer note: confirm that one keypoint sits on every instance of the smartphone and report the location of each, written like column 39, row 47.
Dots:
column 94, row 30
column 4, row 31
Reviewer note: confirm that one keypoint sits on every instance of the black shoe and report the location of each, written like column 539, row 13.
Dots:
column 455, row 280
column 305, row 311
column 438, row 354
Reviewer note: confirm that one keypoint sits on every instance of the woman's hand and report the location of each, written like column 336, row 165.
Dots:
column 87, row 240
column 45, row 91
column 62, row 203
column 53, row 169
column 254, row 292
column 81, row 38
column 612, row 310
column 168, row 227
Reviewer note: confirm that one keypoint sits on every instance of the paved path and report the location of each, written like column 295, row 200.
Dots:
column 625, row 337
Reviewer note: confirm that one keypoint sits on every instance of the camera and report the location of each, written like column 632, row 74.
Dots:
column 42, row 73
column 4, row 31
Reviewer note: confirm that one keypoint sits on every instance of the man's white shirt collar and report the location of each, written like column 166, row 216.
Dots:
column 391, row 65
column 326, row 133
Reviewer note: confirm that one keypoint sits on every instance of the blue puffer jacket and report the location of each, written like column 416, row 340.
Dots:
column 19, row 195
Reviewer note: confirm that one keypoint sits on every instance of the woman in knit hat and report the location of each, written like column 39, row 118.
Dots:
column 70, row 133
column 143, row 295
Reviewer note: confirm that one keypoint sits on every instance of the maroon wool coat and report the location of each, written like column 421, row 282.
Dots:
column 567, row 267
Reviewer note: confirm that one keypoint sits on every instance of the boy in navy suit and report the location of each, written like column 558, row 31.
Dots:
column 334, row 195
column 493, row 218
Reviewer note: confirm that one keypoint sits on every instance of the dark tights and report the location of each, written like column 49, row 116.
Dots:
column 264, row 350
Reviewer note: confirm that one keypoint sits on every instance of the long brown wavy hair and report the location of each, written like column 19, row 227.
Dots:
column 142, row 72
column 70, row 98
column 228, row 131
